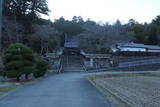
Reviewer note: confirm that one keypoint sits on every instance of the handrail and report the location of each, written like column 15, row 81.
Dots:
column 61, row 66
column 85, row 69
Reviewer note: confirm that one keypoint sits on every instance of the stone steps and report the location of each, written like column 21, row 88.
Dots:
column 73, row 68
column 72, row 64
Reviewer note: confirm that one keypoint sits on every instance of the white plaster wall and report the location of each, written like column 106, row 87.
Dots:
column 133, row 49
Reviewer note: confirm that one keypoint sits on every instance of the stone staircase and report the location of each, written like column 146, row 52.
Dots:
column 73, row 64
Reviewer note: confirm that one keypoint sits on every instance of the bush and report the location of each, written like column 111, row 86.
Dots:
column 41, row 68
column 18, row 60
column 1, row 71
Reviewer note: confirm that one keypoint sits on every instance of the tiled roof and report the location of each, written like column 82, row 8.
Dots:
column 71, row 42
column 71, row 45
column 136, row 45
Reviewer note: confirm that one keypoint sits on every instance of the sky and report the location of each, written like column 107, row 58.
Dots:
column 105, row 10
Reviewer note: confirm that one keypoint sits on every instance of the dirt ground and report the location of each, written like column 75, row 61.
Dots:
column 139, row 91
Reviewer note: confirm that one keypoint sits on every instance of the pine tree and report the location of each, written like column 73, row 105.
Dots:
column 19, row 60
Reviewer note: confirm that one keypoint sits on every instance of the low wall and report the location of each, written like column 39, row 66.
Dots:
column 54, row 63
column 136, row 68
column 97, row 63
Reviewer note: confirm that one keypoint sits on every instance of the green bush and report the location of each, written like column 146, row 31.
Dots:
column 18, row 60
column 1, row 71
column 41, row 68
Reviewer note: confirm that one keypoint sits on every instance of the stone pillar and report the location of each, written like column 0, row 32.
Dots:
column 91, row 62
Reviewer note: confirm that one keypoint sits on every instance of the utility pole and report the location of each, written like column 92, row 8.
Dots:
column 1, row 7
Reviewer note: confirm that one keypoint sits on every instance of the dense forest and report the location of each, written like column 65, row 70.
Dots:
column 22, row 23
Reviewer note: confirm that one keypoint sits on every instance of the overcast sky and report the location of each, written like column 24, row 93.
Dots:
column 105, row 10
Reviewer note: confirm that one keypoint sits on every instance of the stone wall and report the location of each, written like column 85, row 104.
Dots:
column 54, row 63
column 101, row 63
column 97, row 63
column 151, row 67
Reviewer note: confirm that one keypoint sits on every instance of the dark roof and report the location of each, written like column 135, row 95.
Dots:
column 71, row 45
column 136, row 45
column 71, row 42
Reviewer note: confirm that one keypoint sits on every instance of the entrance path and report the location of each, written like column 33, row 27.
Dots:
column 62, row 90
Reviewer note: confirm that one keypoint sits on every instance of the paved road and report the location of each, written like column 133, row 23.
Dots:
column 61, row 90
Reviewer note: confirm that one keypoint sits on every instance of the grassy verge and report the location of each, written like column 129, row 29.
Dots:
column 7, row 88
column 111, row 95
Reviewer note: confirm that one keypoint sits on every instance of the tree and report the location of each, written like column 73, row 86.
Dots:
column 22, row 8
column 1, row 26
column 26, row 11
column 68, row 27
column 45, row 39
column 19, row 60
column 132, row 22
column 153, row 37
column 78, row 20
column 141, row 35
column 156, row 20
column 41, row 68
column 90, row 22
column 118, row 23
column 148, row 33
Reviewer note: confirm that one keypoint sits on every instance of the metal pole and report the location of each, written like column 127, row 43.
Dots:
column 1, row 2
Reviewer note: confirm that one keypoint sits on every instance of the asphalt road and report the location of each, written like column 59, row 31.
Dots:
column 61, row 90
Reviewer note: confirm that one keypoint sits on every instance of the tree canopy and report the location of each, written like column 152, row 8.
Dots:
column 148, row 33
column 69, row 27
column 18, row 60
column 25, row 11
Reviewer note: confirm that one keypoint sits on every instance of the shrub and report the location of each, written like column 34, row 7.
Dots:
column 1, row 71
column 18, row 60
column 41, row 68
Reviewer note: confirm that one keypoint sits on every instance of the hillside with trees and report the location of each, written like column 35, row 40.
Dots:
column 95, row 37
column 22, row 23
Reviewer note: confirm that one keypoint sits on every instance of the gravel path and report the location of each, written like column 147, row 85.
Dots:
column 62, row 90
